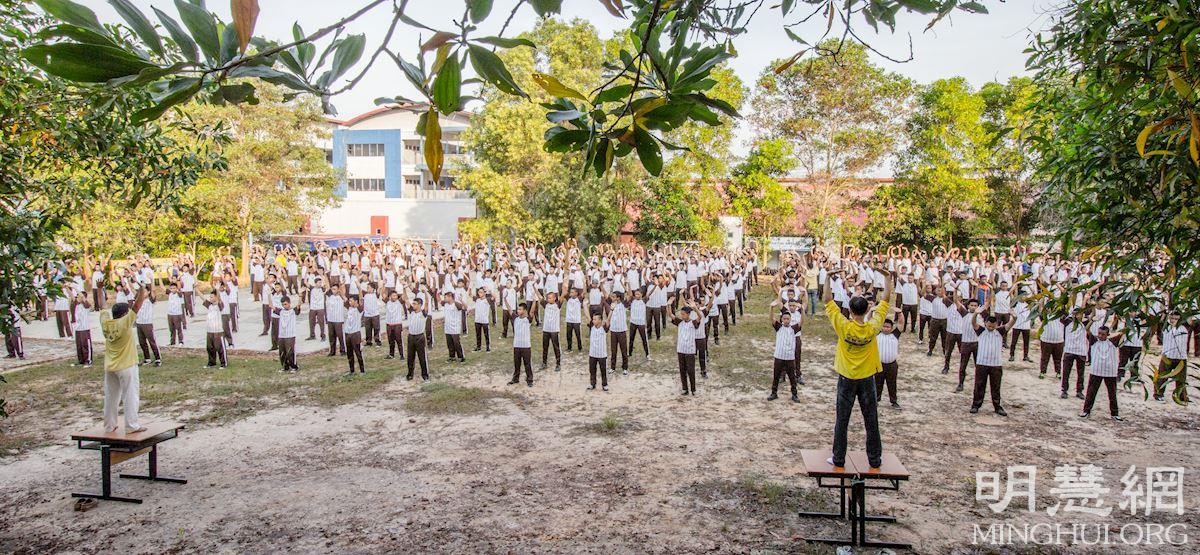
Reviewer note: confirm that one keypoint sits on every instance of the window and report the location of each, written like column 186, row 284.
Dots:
column 452, row 148
column 364, row 150
column 365, row 184
column 329, row 155
column 412, row 181
column 415, row 147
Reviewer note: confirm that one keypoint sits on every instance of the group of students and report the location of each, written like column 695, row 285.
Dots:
column 980, row 306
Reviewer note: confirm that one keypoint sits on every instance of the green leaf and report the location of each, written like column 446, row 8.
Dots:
column 447, row 86
column 613, row 94
column 85, row 63
column 139, row 23
column 76, row 33
column 491, row 68
column 203, row 28
column 973, row 7
column 181, row 90
column 183, row 40
column 412, row 72
column 703, row 114
column 566, row 140
column 648, row 151
column 546, row 7
column 230, row 45
column 75, row 14
column 563, row 115
column 348, row 51
column 503, row 42
column 716, row 103
column 479, row 9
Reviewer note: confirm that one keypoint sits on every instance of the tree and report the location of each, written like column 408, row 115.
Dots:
column 1120, row 151
column 656, row 84
column 1011, row 119
column 940, row 190
column 667, row 212
column 276, row 173
column 755, row 193
column 842, row 116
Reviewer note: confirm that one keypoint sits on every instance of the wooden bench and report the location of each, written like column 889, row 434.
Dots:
column 117, row 447
column 857, row 477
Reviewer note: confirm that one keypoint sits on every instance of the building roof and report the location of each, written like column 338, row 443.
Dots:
column 408, row 107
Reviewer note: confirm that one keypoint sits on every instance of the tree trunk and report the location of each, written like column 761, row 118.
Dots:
column 244, row 271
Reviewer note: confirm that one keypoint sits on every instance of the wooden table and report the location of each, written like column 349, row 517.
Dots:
column 117, row 447
column 854, row 476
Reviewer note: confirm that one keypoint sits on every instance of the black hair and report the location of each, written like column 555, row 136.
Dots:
column 687, row 310
column 524, row 306
column 889, row 321
column 858, row 306
column 285, row 299
column 1103, row 328
column 120, row 309
column 992, row 319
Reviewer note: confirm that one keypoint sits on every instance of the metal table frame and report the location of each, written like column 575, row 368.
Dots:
column 113, row 452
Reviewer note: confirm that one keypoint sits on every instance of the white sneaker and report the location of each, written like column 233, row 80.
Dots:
column 134, row 429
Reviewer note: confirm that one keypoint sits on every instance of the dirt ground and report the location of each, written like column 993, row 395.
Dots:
column 485, row 467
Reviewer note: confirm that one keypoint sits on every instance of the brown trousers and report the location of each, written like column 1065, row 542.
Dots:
column 354, row 351
column 522, row 356
column 986, row 376
column 287, row 353
column 395, row 339
column 887, row 377
column 595, row 363
column 1050, row 352
column 687, row 371
column 83, row 347
column 937, row 330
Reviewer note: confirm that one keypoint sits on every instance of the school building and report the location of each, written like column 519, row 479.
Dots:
column 386, row 187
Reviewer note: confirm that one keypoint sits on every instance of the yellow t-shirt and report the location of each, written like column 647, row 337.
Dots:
column 857, row 356
column 120, row 350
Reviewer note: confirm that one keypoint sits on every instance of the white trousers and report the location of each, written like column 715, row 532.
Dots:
column 119, row 386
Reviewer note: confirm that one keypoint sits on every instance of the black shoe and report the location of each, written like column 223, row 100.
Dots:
column 795, row 399
column 557, row 368
column 685, row 392
column 1012, row 359
column 511, row 382
column 1118, row 418
column 1084, row 414
column 591, row 387
column 800, row 380
column 945, row 370
column 1000, row 411
column 330, row 355
column 409, row 378
column 530, row 384
column 1062, row 395
column 462, row 360
column 475, row 350
column 959, row 388
column 1026, row 359
column 489, row 349
column 896, row 406
column 703, row 375
column 974, row 410
column 772, row 397
column 1079, row 395
column 929, row 354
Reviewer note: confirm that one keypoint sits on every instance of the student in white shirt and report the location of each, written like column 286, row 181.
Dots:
column 81, row 311
column 482, row 317
column 416, row 325
column 1173, row 363
column 452, row 326
column 1020, row 330
column 888, row 345
column 618, row 330
column 1075, row 352
column 637, row 323
column 335, row 315
column 371, row 307
column 287, row 335
column 785, row 351
column 144, row 323
column 352, row 331
column 988, row 372
column 214, row 330
column 1104, row 355
column 522, row 346
column 316, row 310
column 175, row 314
column 685, row 346
column 393, row 321
column 551, row 310
column 573, row 315
column 597, row 350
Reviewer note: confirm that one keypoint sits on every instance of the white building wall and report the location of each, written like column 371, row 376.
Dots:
column 365, row 167
column 425, row 218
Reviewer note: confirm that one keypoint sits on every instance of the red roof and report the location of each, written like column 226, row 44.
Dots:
column 411, row 107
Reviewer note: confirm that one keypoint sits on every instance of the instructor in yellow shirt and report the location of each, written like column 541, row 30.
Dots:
column 857, row 362
column 121, row 363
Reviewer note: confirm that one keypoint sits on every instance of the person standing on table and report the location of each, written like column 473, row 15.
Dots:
column 988, row 371
column 215, row 330
column 856, row 362
column 121, row 363
column 1105, row 356
column 522, row 346
column 287, row 335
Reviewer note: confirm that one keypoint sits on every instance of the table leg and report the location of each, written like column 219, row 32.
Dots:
column 153, row 470
column 861, row 529
column 106, row 481
column 841, row 503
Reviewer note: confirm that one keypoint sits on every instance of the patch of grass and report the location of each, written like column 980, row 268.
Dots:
column 611, row 424
column 443, row 398
column 755, row 494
